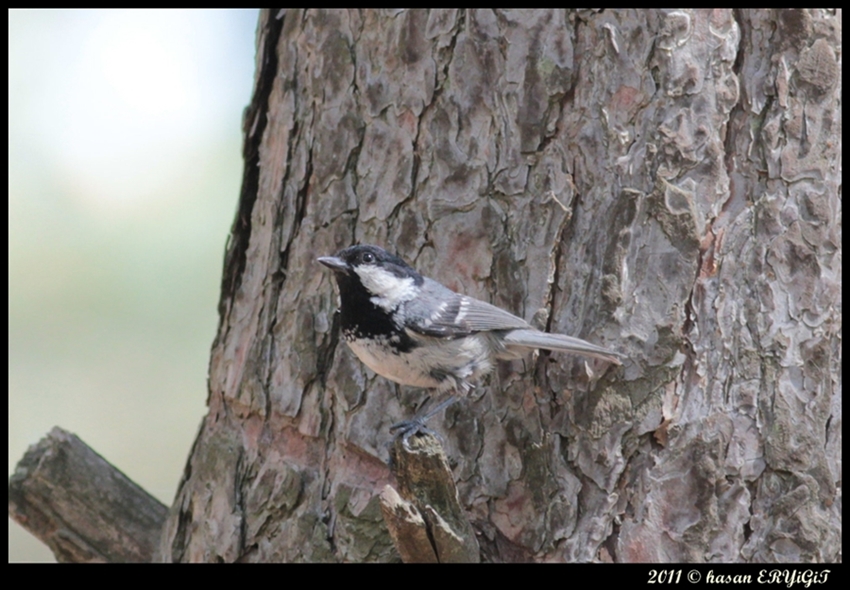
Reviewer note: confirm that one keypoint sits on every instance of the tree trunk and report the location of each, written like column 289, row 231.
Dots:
column 663, row 183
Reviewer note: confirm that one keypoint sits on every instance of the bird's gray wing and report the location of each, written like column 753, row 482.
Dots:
column 440, row 312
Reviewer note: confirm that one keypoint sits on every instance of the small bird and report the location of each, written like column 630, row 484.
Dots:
column 415, row 331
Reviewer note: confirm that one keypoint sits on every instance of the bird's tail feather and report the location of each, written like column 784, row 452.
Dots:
column 547, row 341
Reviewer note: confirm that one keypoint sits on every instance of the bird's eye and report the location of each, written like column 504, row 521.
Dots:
column 368, row 257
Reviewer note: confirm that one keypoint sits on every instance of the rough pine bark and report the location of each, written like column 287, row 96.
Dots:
column 664, row 183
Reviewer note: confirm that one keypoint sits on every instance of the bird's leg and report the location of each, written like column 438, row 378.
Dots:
column 407, row 428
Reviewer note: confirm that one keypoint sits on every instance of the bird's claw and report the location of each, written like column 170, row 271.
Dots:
column 407, row 428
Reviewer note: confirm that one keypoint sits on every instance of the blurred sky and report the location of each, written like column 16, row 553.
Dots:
column 124, row 172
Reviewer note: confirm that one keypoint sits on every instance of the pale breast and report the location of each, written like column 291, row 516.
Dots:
column 433, row 364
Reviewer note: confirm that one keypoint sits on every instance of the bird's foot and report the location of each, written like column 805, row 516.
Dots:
column 407, row 428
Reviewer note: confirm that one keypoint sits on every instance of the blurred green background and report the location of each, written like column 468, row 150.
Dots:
column 124, row 173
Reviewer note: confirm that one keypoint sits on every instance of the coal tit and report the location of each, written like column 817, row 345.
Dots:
column 414, row 331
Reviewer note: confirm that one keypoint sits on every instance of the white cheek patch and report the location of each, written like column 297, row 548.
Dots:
column 387, row 289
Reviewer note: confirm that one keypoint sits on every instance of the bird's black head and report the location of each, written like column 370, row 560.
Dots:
column 369, row 274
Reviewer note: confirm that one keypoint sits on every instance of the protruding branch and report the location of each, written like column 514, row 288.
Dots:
column 82, row 507
column 424, row 516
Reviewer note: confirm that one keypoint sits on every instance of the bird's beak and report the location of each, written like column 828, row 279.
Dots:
column 334, row 263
